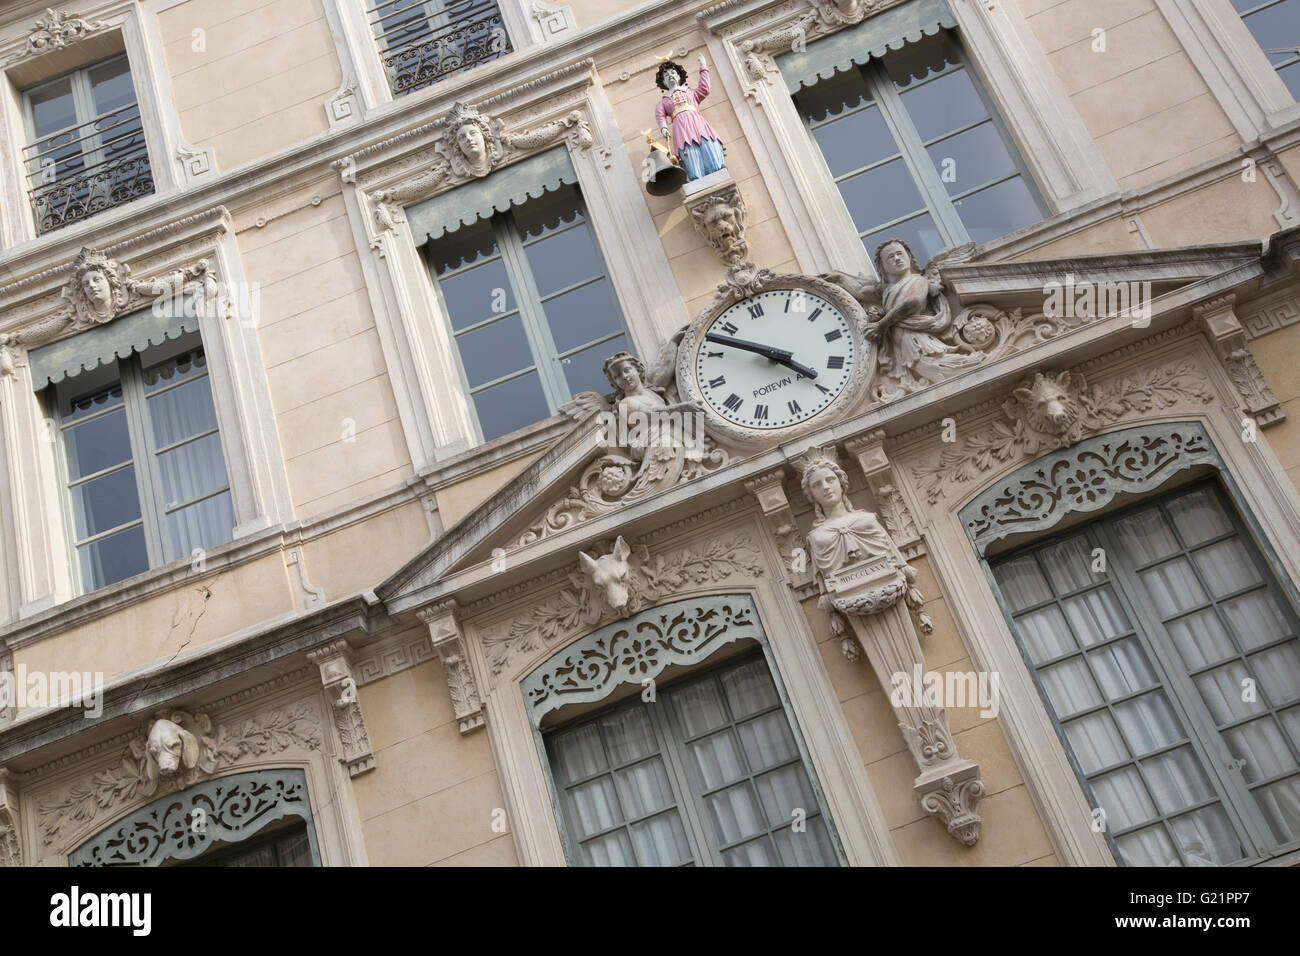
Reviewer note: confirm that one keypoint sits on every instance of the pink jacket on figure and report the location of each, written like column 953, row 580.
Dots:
column 681, row 104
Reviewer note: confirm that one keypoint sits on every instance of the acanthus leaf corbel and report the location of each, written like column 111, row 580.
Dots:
column 1218, row 319
column 769, row 490
column 869, row 452
column 335, row 663
column 449, row 643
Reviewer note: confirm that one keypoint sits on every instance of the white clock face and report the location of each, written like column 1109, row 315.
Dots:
column 802, row 333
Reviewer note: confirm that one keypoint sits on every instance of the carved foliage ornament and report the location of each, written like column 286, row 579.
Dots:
column 54, row 31
column 758, row 53
column 11, row 852
column 173, row 751
column 1085, row 478
column 584, row 604
column 469, row 145
column 99, row 290
column 1051, row 411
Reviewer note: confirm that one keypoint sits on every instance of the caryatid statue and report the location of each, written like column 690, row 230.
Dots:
column 868, row 588
column 694, row 141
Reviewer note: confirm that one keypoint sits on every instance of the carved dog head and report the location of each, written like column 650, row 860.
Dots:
column 1050, row 403
column 609, row 573
column 170, row 748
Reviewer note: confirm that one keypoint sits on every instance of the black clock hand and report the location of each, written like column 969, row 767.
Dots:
column 780, row 356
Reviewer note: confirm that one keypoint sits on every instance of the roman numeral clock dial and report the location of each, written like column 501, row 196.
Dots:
column 775, row 359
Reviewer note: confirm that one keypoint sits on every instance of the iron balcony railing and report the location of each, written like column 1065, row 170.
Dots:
column 421, row 42
column 86, row 169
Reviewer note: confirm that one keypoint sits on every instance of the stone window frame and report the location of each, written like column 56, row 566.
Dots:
column 732, row 608
column 1068, row 169
column 39, row 559
column 414, row 331
column 1235, row 69
column 1262, row 495
column 365, row 89
column 174, row 163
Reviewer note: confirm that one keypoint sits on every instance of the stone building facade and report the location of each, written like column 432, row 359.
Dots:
column 321, row 545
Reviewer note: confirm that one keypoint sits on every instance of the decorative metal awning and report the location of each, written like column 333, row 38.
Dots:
column 86, row 351
column 497, row 192
column 873, row 37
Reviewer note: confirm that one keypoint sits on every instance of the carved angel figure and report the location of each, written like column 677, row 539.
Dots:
column 910, row 319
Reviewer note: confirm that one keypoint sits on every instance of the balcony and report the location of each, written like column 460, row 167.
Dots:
column 82, row 170
column 422, row 42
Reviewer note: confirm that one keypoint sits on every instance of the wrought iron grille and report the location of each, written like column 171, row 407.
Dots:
column 84, row 169
column 421, row 41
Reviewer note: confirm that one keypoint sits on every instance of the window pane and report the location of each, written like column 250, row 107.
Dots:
column 1149, row 847
column 1070, row 687
column 1122, row 668
column 757, row 853
column 1280, row 803
column 478, row 294
column 188, row 365
column 110, row 85
column 1201, row 639
column 644, row 788
column 1198, row 517
column 613, row 849
column 584, row 371
column 1177, row 780
column 583, row 315
column 511, row 405
column 563, row 259
column 945, row 104
column 105, row 395
column 784, row 792
column 735, row 813
column 1069, row 564
column 767, row 741
column 553, row 210
column 1224, row 691
column 1144, row 536
column 1123, row 798
column 1149, row 722
column 494, row 351
column 661, row 841
column 52, row 107
column 1173, row 587
column 717, row 759
column 1273, row 27
column 1279, row 672
column 1021, row 583
column 992, row 213
column 628, row 735
column 105, row 502
column 97, row 444
column 971, row 158
column 181, row 412
column 749, row 689
column 192, row 470
column 294, row 850
column 1096, row 616
column 856, row 140
column 1261, row 744
column 880, row 195
column 1096, row 741
column 595, row 806
column 204, row 524
column 462, row 247
column 579, row 753
column 1255, row 619
column 1207, row 838
column 113, row 558
column 699, row 708
column 1226, row 567
column 812, row 847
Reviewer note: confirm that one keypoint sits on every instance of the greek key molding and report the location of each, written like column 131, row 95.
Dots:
column 276, row 731
column 393, row 658
column 640, row 647
column 182, row 826
column 1084, row 478
column 1053, row 411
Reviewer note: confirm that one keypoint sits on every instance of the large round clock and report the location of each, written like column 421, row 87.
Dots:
column 773, row 357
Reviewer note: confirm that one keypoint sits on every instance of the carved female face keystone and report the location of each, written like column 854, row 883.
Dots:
column 96, row 288
column 470, row 141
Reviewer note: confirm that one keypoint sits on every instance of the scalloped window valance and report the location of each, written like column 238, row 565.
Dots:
column 873, row 37
column 497, row 192
column 86, row 351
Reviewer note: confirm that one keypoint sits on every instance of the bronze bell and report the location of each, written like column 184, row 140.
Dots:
column 662, row 171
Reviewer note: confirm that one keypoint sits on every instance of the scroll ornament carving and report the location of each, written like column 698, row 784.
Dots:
column 826, row 16
column 446, row 639
column 99, row 290
column 650, row 441
column 172, row 752
column 334, row 660
column 1047, row 412
column 469, row 145
column 54, row 31
column 585, row 603
column 1219, row 320
column 868, row 588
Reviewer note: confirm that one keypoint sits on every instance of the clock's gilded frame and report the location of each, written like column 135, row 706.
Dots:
column 744, row 283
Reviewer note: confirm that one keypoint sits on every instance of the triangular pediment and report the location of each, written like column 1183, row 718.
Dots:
column 562, row 489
